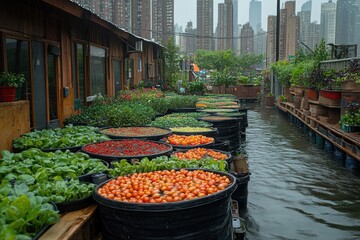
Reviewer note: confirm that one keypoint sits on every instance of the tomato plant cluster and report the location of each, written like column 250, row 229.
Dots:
column 200, row 153
column 189, row 140
column 135, row 131
column 164, row 186
column 126, row 148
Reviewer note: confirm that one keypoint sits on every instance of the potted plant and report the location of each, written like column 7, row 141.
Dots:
column 351, row 79
column 8, row 84
column 197, row 87
column 269, row 100
column 350, row 121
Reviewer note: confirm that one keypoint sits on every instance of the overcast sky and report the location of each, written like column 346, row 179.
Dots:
column 185, row 10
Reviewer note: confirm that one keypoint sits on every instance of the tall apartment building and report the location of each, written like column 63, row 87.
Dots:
column 247, row 39
column 162, row 19
column 122, row 13
column 328, row 21
column 348, row 22
column 255, row 15
column 146, row 18
column 190, row 38
column 205, row 24
column 225, row 25
column 271, row 40
column 289, row 31
column 305, row 21
column 235, row 24
column 315, row 37
column 260, row 42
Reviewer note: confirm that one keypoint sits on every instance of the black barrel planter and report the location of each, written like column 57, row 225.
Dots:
column 228, row 130
column 181, row 110
column 140, row 130
column 206, row 218
column 241, row 192
column 113, row 157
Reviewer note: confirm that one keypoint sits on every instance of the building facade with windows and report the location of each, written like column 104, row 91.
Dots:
column 205, row 24
column 328, row 21
column 225, row 25
column 68, row 55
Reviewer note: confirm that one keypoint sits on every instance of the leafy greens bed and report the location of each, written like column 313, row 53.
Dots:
column 69, row 136
column 32, row 178
column 162, row 163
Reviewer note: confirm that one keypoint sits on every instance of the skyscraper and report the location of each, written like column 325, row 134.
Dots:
column 146, row 18
column 225, row 25
column 289, row 31
column 314, row 33
column 190, row 38
column 162, row 19
column 305, row 20
column 347, row 12
column 205, row 24
column 328, row 21
column 271, row 40
column 255, row 15
column 235, row 24
column 247, row 39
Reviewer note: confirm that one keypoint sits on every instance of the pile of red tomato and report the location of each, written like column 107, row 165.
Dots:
column 164, row 186
column 126, row 148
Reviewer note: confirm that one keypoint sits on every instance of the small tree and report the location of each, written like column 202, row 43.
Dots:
column 172, row 63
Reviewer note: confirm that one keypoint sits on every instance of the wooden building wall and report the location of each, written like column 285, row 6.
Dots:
column 60, row 23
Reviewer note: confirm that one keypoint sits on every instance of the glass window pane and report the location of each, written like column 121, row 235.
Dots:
column 97, row 70
column 81, row 72
column 18, row 61
column 52, row 88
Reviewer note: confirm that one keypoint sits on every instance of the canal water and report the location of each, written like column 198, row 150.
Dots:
column 296, row 190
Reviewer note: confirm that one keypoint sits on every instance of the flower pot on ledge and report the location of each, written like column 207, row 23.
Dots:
column 330, row 97
column 7, row 94
column 312, row 94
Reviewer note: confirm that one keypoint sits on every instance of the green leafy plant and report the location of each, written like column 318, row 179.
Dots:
column 282, row 98
column 175, row 101
column 196, row 86
column 352, row 115
column 69, row 136
column 162, row 163
column 11, row 79
column 223, row 78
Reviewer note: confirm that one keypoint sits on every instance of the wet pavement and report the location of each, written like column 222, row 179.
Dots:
column 296, row 190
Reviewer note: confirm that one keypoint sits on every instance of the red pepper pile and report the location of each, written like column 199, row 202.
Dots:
column 126, row 148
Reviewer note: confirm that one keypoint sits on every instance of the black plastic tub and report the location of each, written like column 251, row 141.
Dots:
column 207, row 218
column 241, row 192
column 71, row 149
column 74, row 205
column 181, row 110
column 110, row 158
column 149, row 137
column 89, row 176
column 228, row 154
column 209, row 133
column 220, row 145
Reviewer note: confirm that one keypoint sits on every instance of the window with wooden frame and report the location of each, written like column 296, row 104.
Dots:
column 78, row 62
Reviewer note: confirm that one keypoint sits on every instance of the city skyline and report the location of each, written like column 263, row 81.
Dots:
column 185, row 11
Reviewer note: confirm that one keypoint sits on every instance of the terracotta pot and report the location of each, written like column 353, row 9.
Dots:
column 330, row 94
column 312, row 94
column 7, row 94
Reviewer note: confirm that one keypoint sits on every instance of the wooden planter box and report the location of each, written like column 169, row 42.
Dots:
column 317, row 110
column 269, row 101
column 350, row 86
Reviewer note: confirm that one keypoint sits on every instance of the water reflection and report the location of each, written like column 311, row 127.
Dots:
column 296, row 191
